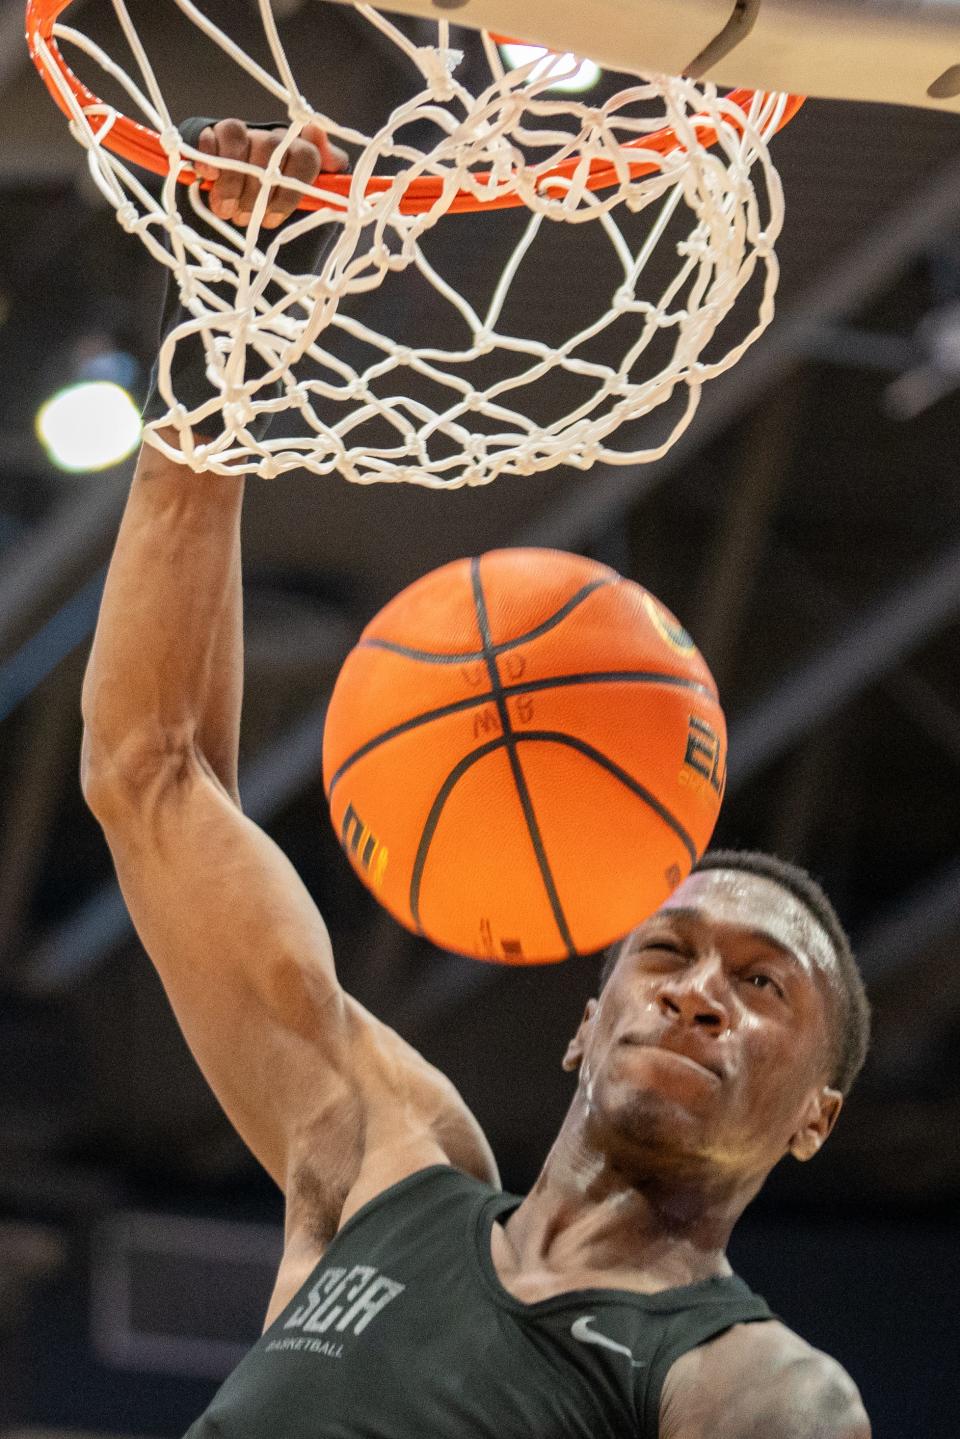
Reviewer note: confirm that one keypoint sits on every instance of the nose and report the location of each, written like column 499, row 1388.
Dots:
column 695, row 996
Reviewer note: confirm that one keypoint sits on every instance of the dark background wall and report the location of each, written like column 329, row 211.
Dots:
column 807, row 531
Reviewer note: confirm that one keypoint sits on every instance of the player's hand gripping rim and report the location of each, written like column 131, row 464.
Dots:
column 233, row 195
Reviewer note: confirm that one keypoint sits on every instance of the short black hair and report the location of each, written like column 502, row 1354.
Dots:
column 851, row 1036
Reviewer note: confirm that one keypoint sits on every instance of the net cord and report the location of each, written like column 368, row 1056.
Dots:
column 374, row 236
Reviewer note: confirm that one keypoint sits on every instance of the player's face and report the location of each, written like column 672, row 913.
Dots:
column 709, row 1043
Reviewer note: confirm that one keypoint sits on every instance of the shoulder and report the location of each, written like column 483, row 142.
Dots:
column 755, row 1380
column 407, row 1098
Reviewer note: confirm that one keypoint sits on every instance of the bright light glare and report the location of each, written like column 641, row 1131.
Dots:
column 89, row 426
column 576, row 76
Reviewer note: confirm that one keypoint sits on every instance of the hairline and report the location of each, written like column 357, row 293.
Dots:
column 831, row 970
column 829, row 975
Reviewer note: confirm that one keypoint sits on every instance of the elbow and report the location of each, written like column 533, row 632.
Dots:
column 117, row 779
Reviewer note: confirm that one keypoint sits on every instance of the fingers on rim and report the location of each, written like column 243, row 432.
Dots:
column 234, row 195
column 208, row 144
column 302, row 162
column 281, row 204
column 228, row 140
column 233, row 139
column 247, row 197
column 334, row 159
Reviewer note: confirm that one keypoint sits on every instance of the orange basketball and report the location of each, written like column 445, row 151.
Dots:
column 524, row 755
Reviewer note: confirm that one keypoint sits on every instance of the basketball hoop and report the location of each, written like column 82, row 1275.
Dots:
column 404, row 411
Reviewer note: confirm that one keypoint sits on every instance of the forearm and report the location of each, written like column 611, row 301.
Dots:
column 165, row 670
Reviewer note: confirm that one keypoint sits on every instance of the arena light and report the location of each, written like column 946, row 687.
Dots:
column 574, row 76
column 88, row 426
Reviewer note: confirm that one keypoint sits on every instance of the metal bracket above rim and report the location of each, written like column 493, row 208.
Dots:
column 736, row 30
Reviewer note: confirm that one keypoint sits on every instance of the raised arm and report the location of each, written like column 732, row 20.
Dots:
column 300, row 1068
column 224, row 919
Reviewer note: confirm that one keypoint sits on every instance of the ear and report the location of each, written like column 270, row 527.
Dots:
column 574, row 1054
column 818, row 1119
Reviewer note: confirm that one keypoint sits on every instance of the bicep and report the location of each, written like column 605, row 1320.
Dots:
column 241, row 949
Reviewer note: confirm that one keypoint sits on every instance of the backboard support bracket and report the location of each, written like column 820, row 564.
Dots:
column 735, row 31
column 903, row 52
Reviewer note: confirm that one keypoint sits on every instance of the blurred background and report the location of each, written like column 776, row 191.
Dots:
column 806, row 530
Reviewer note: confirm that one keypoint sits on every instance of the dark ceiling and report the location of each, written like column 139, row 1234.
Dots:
column 806, row 531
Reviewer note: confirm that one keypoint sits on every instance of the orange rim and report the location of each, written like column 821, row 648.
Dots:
column 141, row 146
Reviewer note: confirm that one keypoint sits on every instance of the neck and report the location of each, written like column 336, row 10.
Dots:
column 592, row 1211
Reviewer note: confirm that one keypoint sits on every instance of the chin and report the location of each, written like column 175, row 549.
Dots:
column 649, row 1122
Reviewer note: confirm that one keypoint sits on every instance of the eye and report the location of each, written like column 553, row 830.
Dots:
column 664, row 946
column 759, row 980
column 657, row 953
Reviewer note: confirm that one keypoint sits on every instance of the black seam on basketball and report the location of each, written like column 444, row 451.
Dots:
column 519, row 780
column 427, row 717
column 641, row 677
column 433, row 819
column 469, row 656
column 547, row 736
column 598, row 757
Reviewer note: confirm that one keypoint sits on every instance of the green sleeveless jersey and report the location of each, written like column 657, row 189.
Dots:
column 404, row 1331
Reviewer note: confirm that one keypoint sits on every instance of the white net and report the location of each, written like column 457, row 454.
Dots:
column 483, row 394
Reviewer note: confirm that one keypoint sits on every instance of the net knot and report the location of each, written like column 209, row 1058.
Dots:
column 208, row 270
column 301, row 112
column 238, row 413
column 128, row 216
column 697, row 244
column 171, row 140
column 437, row 67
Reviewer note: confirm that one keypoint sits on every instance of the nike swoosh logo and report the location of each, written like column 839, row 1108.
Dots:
column 580, row 1329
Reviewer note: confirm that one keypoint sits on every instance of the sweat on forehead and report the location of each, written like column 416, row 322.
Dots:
column 755, row 902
